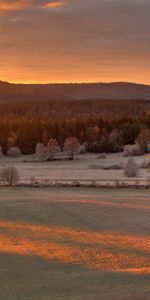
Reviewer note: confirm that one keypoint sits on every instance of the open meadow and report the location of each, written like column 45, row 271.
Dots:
column 74, row 244
column 83, row 167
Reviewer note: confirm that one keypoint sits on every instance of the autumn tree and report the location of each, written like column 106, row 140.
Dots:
column 52, row 148
column 144, row 139
column 72, row 145
column 47, row 152
column 41, row 152
column 115, row 141
column 129, row 132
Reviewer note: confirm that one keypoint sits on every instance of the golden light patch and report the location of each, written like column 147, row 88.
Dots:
column 95, row 250
column 55, row 4
column 109, row 203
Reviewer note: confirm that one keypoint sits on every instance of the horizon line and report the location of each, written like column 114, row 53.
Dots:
column 70, row 82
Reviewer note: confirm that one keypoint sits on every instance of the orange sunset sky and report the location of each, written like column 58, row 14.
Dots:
column 75, row 40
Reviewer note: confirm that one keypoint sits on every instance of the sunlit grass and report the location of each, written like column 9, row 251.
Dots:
column 109, row 203
column 89, row 249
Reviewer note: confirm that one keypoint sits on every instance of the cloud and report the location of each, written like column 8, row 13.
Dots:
column 6, row 5
column 15, row 5
column 54, row 4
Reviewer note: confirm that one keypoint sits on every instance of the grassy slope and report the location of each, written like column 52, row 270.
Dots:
column 74, row 244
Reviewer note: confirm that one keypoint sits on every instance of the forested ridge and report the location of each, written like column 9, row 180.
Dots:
column 86, row 91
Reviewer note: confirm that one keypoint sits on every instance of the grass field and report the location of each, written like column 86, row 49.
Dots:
column 80, row 168
column 74, row 244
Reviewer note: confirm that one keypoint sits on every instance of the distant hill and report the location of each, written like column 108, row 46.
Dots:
column 115, row 90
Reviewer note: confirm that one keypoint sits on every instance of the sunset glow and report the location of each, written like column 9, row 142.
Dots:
column 74, row 41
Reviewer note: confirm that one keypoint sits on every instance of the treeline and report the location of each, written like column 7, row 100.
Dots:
column 63, row 109
column 104, row 126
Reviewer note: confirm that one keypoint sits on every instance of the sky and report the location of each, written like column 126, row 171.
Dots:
column 75, row 41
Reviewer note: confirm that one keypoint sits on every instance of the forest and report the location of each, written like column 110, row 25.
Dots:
column 105, row 125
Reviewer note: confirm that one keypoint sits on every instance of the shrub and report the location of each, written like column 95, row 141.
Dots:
column 112, row 167
column 101, row 155
column 14, row 152
column 132, row 150
column 10, row 175
column 96, row 167
column 131, row 168
column 82, row 149
column 145, row 164
column 76, row 183
column 106, row 167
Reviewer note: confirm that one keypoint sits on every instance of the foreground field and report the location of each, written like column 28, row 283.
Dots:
column 74, row 244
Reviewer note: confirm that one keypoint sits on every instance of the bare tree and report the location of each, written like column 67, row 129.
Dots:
column 10, row 175
column 131, row 168
column 72, row 145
